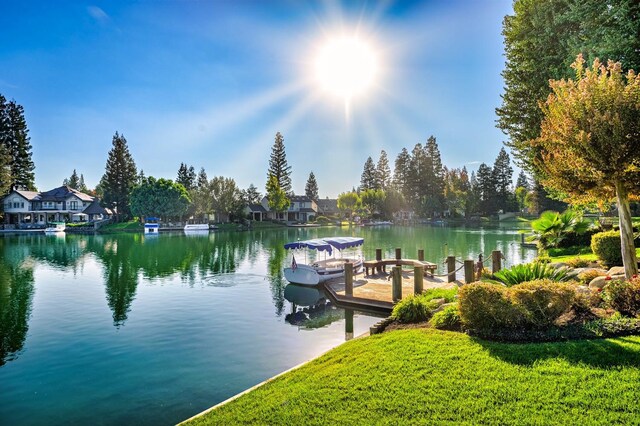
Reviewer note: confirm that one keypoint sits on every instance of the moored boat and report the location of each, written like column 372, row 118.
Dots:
column 55, row 227
column 151, row 226
column 196, row 227
column 322, row 270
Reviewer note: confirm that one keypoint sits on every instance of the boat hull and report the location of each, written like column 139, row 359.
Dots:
column 310, row 275
column 199, row 227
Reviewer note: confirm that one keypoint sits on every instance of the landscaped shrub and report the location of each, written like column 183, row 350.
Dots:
column 577, row 262
column 447, row 319
column 532, row 271
column 542, row 301
column 606, row 245
column 413, row 309
column 486, row 306
column 587, row 276
column 449, row 295
column 623, row 296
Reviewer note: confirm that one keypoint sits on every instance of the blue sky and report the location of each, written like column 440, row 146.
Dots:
column 210, row 83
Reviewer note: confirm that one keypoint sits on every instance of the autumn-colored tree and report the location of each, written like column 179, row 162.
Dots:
column 590, row 141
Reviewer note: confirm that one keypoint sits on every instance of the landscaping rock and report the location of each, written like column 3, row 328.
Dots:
column 616, row 270
column 559, row 265
column 600, row 282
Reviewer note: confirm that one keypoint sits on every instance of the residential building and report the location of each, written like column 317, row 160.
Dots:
column 302, row 209
column 328, row 207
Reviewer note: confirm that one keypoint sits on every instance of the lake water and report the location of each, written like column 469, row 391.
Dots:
column 127, row 329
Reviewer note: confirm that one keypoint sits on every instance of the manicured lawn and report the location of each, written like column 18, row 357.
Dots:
column 123, row 226
column 588, row 256
column 427, row 376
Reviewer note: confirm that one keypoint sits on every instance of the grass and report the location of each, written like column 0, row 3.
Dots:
column 587, row 256
column 449, row 295
column 132, row 225
column 427, row 376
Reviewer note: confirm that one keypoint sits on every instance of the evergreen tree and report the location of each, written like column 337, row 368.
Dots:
column 368, row 179
column 502, row 177
column 401, row 173
column 119, row 178
column 278, row 165
column 383, row 171
column 141, row 178
column 73, row 181
column 5, row 171
column 523, row 181
column 14, row 136
column 486, row 189
column 186, row 176
column 311, row 188
column 435, row 189
column 202, row 179
column 82, row 187
column 251, row 195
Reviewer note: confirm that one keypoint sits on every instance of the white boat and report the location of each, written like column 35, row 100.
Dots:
column 55, row 227
column 322, row 270
column 151, row 226
column 196, row 227
column 378, row 223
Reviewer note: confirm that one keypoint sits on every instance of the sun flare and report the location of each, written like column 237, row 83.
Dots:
column 346, row 67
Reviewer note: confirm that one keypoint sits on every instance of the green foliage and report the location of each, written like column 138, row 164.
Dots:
column 186, row 177
column 532, row 271
column 369, row 177
column 447, row 319
column 226, row 199
column 383, row 172
column 551, row 228
column 159, row 198
column 578, row 262
column 119, row 178
column 448, row 294
column 531, row 305
column 412, row 309
column 606, row 245
column 348, row 202
column 5, row 170
column 586, row 277
column 14, row 137
column 372, row 200
column 623, row 296
column 279, row 168
column 323, row 220
column 311, row 188
column 276, row 196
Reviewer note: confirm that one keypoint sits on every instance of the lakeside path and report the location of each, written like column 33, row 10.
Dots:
column 424, row 376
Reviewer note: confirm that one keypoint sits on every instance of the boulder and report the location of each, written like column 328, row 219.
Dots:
column 599, row 282
column 559, row 265
column 579, row 271
column 616, row 270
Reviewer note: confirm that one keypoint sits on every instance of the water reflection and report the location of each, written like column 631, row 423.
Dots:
column 16, row 298
column 310, row 307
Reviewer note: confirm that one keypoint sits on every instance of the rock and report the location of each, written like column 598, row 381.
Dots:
column 559, row 265
column 579, row 271
column 599, row 282
column 583, row 289
column 616, row 270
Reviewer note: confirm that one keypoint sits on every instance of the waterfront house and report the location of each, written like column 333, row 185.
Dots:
column 328, row 207
column 301, row 209
column 63, row 204
column 257, row 212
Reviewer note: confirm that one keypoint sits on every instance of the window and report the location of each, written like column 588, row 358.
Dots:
column 73, row 205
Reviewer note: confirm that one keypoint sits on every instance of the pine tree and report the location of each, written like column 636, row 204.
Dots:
column 383, row 171
column 435, row 193
column 82, row 187
column 141, row 178
column 278, row 166
column 523, row 181
column 5, row 171
column 14, row 136
column 401, row 173
column 486, row 189
column 368, row 179
column 186, row 176
column 502, row 177
column 191, row 178
column 73, row 181
column 202, row 179
column 119, row 178
column 311, row 188
column 251, row 195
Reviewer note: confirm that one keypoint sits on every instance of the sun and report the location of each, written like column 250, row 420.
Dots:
column 346, row 67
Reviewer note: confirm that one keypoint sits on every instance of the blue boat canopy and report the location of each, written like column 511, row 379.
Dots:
column 326, row 244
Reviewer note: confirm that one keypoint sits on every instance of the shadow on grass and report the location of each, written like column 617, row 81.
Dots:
column 600, row 353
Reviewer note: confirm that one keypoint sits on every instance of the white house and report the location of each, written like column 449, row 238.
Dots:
column 302, row 209
column 63, row 204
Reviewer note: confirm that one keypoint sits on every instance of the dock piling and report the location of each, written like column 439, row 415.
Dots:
column 396, row 289
column 348, row 279
column 468, row 271
column 496, row 261
column 418, row 279
column 421, row 255
column 451, row 267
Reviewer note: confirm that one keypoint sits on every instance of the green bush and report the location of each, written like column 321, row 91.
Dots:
column 447, row 319
column 486, row 306
column 322, row 220
column 532, row 305
column 578, row 262
column 449, row 295
column 543, row 301
column 412, row 309
column 623, row 296
column 606, row 245
column 531, row 271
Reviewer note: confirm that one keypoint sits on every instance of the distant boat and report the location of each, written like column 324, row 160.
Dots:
column 322, row 270
column 378, row 223
column 196, row 227
column 151, row 226
column 55, row 227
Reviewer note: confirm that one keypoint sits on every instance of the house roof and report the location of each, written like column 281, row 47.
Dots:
column 257, row 208
column 62, row 193
column 328, row 204
column 300, row 198
column 29, row 195
column 95, row 208
column 307, row 210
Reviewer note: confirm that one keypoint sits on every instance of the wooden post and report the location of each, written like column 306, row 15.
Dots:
column 468, row 271
column 396, row 288
column 418, row 279
column 348, row 279
column 378, row 254
column 398, row 253
column 451, row 267
column 496, row 261
column 348, row 324
column 421, row 255
column 522, row 239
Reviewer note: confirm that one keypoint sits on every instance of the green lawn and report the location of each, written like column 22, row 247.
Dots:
column 588, row 256
column 123, row 226
column 427, row 376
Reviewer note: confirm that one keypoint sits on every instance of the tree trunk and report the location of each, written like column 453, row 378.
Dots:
column 626, row 232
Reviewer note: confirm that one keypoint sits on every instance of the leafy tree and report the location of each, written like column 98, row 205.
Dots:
column 590, row 141
column 251, row 195
column 119, row 178
column 349, row 202
column 393, row 202
column 14, row 136
column 226, row 198
column 276, row 196
column 383, row 171
column 311, row 188
column 159, row 198
column 186, row 176
column 278, row 165
column 373, row 200
column 200, row 196
column 552, row 227
column 369, row 179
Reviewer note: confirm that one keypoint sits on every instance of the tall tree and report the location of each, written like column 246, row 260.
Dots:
column 186, row 176
column 368, row 179
column 278, row 165
column 383, row 171
column 276, row 196
column 251, row 195
column 435, row 189
column 311, row 188
column 523, row 181
column 119, row 178
column 486, row 189
column 5, row 170
column 348, row 202
column 401, row 173
column 590, row 142
column 162, row 198
column 14, row 135
column 226, row 198
column 73, row 181
column 503, row 178
column 202, row 179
